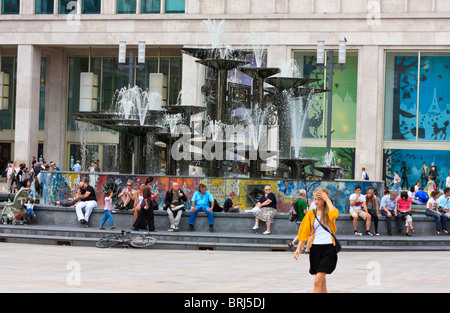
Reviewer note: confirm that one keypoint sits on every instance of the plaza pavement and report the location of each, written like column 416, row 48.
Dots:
column 73, row 269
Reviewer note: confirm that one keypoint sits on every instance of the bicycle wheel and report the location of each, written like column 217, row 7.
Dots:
column 142, row 241
column 108, row 242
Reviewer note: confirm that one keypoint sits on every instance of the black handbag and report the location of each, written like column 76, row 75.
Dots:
column 337, row 244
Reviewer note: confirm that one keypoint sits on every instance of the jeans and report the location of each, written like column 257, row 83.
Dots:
column 439, row 219
column 106, row 216
column 193, row 215
column 396, row 187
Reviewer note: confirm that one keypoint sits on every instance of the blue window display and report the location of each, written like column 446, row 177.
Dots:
column 409, row 163
column 417, row 98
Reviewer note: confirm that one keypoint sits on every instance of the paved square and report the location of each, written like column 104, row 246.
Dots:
column 71, row 269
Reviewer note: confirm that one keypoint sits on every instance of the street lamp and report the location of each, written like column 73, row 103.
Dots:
column 330, row 67
column 131, row 66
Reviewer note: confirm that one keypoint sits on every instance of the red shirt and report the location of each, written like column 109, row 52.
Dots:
column 403, row 205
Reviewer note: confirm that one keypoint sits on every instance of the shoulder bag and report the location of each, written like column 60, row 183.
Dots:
column 337, row 244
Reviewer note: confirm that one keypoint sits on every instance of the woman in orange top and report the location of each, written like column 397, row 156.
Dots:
column 322, row 255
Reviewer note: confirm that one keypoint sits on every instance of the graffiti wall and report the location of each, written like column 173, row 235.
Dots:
column 62, row 185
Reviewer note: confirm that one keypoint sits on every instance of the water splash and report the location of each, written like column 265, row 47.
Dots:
column 289, row 68
column 299, row 107
column 134, row 101
column 328, row 158
column 256, row 121
column 83, row 130
column 258, row 46
column 172, row 120
column 215, row 129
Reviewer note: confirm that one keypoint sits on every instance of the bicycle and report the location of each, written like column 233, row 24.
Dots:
column 141, row 241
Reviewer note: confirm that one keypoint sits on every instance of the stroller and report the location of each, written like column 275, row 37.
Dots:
column 16, row 212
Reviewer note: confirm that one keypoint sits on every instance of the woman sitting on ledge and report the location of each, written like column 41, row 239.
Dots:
column 267, row 210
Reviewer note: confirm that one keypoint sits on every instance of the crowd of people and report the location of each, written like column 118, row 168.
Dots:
column 142, row 202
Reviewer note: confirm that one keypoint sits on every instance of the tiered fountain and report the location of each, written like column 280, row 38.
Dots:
column 141, row 120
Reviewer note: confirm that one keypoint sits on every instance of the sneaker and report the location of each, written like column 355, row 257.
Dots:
column 266, row 233
column 438, row 232
column 368, row 233
column 191, row 227
column 255, row 227
column 357, row 234
column 445, row 232
column 377, row 234
column 211, row 228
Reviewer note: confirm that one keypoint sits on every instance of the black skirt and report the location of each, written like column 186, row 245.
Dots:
column 322, row 259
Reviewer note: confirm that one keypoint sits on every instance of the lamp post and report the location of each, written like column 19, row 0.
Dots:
column 131, row 66
column 330, row 66
column 131, row 144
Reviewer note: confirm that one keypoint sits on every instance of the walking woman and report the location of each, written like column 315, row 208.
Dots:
column 322, row 255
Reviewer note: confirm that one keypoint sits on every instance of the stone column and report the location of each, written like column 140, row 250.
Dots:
column 55, row 108
column 27, row 103
column 369, row 113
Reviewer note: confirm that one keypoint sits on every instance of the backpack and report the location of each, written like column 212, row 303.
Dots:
column 367, row 177
column 293, row 212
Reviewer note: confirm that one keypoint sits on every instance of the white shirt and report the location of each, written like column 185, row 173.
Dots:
column 363, row 176
column 447, row 181
column 358, row 202
column 432, row 201
column 321, row 236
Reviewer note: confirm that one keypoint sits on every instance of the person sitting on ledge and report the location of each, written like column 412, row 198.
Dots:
column 174, row 200
column 87, row 200
column 202, row 201
column 228, row 205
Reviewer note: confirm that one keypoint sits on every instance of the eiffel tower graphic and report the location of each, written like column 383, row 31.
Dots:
column 434, row 107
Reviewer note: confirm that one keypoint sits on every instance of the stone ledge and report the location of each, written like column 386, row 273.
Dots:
column 224, row 222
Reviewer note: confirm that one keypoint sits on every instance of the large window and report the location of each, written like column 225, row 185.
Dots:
column 91, row 7
column 7, row 117
column 413, row 165
column 417, row 97
column 344, row 97
column 150, row 6
column 67, row 6
column 126, row 6
column 175, row 6
column 44, row 6
column 10, row 6
column 111, row 79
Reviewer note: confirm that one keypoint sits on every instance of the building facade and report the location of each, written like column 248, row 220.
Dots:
column 391, row 103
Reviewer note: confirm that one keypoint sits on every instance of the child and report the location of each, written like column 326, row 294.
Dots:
column 107, row 209
column 30, row 211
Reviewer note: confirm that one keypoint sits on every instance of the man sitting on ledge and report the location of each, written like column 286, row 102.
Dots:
column 202, row 201
column 87, row 200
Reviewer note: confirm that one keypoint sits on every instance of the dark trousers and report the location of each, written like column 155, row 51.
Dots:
column 388, row 221
column 145, row 220
column 373, row 214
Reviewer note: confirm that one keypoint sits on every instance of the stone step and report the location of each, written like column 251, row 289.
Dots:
column 81, row 236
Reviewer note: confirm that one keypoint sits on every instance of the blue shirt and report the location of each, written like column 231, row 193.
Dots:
column 76, row 167
column 444, row 202
column 202, row 201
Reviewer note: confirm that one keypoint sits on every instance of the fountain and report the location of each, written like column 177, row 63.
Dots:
column 142, row 120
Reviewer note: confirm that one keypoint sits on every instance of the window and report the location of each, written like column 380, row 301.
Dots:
column 44, row 6
column 175, row 6
column 10, row 6
column 417, row 97
column 91, row 7
column 344, row 97
column 150, row 6
column 126, row 6
column 67, row 6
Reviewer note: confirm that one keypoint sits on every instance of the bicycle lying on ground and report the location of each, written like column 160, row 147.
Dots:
column 144, row 240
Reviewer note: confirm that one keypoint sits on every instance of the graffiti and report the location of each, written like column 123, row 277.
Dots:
column 61, row 185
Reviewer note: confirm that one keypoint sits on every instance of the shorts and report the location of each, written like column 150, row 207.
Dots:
column 322, row 259
column 358, row 212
